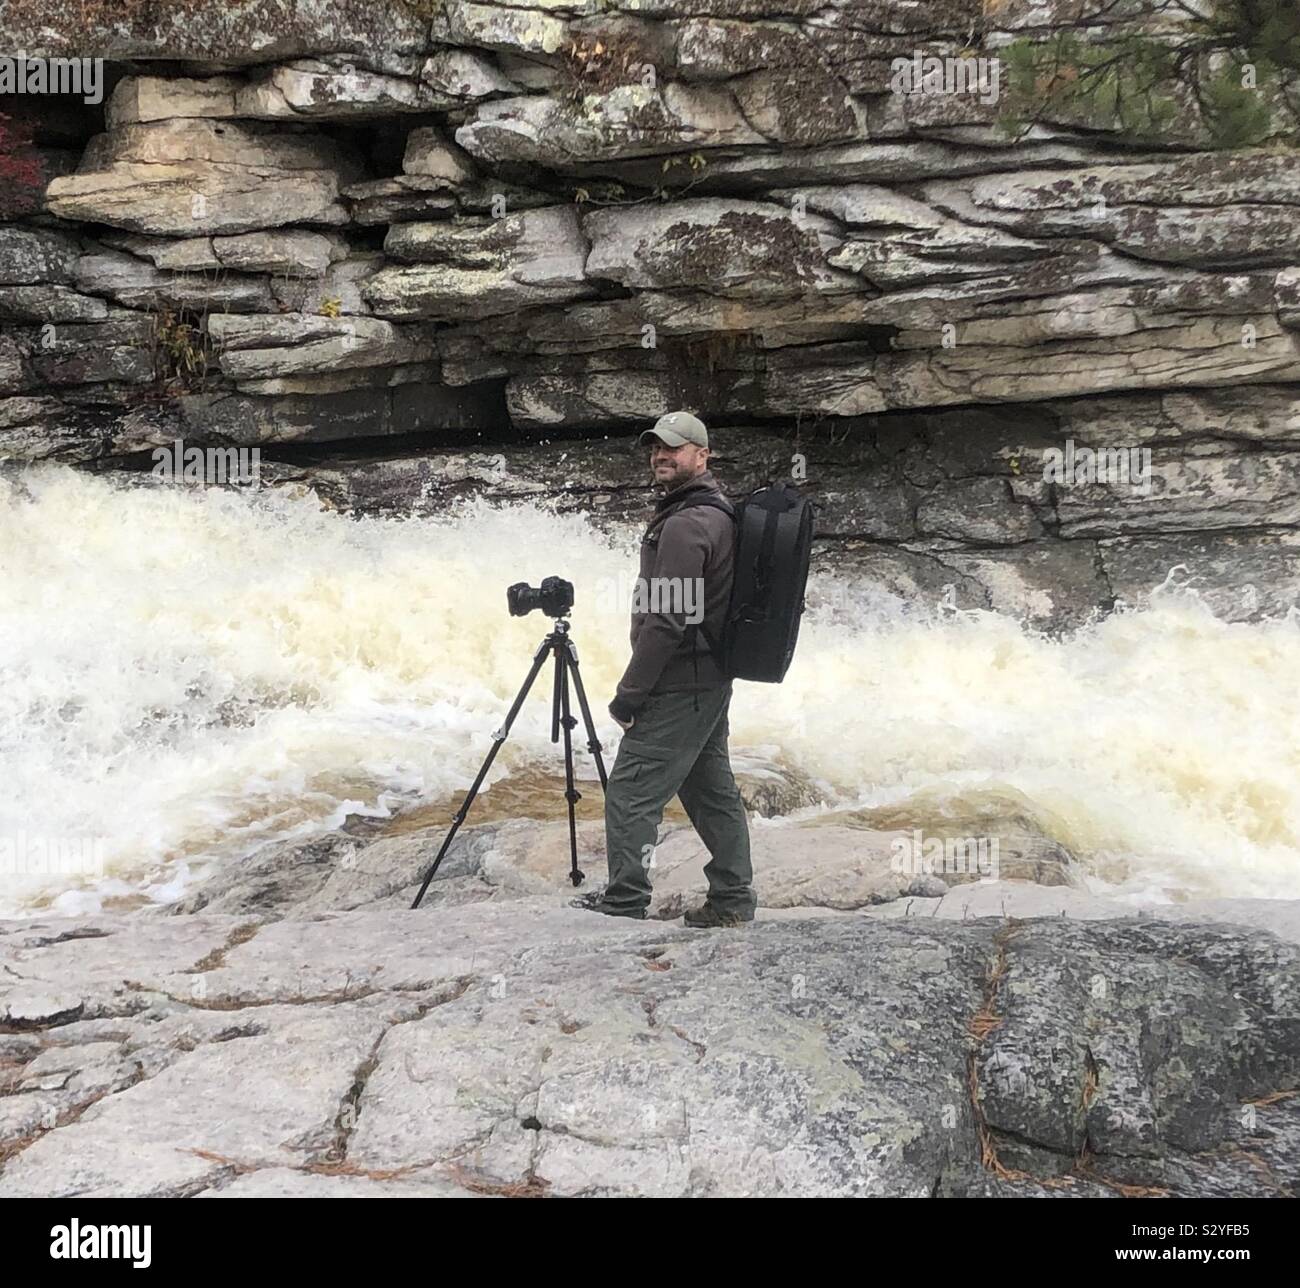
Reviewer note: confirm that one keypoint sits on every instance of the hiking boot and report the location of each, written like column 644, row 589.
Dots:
column 707, row 917
column 594, row 901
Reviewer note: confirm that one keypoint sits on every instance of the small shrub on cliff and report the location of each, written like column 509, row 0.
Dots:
column 180, row 350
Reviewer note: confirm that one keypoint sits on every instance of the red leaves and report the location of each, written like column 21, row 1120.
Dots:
column 22, row 175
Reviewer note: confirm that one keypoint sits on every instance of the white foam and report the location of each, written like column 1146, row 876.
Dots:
column 188, row 675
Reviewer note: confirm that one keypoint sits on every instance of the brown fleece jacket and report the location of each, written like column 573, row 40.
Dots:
column 697, row 543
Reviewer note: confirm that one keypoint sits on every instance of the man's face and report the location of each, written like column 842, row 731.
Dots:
column 673, row 466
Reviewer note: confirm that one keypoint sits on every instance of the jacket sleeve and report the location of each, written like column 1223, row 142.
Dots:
column 683, row 553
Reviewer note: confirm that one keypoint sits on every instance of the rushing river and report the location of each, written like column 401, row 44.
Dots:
column 187, row 675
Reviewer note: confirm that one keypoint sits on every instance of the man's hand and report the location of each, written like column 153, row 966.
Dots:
column 625, row 726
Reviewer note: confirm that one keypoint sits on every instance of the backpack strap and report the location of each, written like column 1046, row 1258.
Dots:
column 712, row 499
column 716, row 502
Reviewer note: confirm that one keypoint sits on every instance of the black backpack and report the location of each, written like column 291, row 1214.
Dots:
column 774, row 532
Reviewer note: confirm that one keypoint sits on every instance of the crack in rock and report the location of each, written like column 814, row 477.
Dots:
column 217, row 957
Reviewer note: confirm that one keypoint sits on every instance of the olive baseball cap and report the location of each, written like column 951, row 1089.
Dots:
column 676, row 428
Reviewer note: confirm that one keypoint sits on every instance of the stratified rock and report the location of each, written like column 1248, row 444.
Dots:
column 157, row 98
column 480, row 268
column 246, row 34
column 286, row 253
column 430, row 155
column 316, row 90
column 1238, row 576
column 1162, row 492
column 977, row 510
column 120, row 349
column 896, row 242
column 14, row 373
column 626, row 121
column 804, row 108
column 139, row 285
column 1190, row 353
column 33, row 429
column 190, row 177
column 360, row 413
column 725, row 246
column 874, row 162
column 498, row 27
column 255, row 348
column 190, row 254
column 35, row 257
column 1217, row 208
column 337, row 289
column 1288, row 297
column 459, row 74
column 717, row 48
column 49, row 304
column 401, row 199
column 1259, row 414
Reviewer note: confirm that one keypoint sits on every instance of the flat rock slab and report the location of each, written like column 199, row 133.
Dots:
column 835, row 860
column 60, row 970
column 1023, row 899
column 526, row 1047
column 285, row 1183
column 269, row 1095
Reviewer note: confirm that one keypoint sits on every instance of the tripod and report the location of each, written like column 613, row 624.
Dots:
column 561, row 646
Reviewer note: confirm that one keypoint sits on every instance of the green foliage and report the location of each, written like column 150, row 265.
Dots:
column 1239, row 117
column 1231, row 64
column 1126, row 84
column 1265, row 30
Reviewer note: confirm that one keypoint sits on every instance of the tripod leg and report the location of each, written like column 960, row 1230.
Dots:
column 571, row 793
column 555, row 691
column 593, row 743
column 498, row 738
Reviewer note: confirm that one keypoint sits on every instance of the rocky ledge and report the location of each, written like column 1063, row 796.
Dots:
column 869, row 1034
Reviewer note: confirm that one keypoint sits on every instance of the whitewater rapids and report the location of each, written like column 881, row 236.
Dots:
column 187, row 675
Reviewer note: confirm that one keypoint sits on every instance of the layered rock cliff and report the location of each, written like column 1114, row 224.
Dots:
column 451, row 223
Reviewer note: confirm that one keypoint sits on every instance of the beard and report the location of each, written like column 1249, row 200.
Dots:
column 673, row 477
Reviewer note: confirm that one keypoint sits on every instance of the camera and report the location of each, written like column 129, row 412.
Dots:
column 554, row 597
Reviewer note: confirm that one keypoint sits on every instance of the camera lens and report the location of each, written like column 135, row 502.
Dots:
column 521, row 599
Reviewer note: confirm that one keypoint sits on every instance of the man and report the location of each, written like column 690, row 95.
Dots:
column 673, row 699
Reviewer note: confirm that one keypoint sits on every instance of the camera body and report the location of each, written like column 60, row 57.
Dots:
column 554, row 597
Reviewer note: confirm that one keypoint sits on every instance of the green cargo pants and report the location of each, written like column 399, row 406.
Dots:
column 673, row 749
